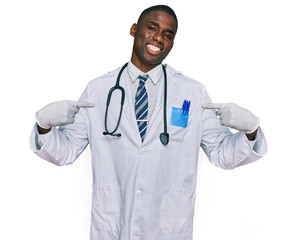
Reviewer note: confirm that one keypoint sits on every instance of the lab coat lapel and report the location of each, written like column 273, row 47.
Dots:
column 158, row 111
column 128, row 108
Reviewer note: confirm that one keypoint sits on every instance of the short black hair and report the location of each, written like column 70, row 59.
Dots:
column 163, row 8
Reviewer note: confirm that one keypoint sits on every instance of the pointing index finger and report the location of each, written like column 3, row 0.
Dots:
column 84, row 104
column 212, row 105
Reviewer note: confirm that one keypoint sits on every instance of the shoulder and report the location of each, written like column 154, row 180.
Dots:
column 104, row 79
column 96, row 86
column 183, row 80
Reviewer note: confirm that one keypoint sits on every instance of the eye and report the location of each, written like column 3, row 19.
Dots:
column 152, row 28
column 169, row 36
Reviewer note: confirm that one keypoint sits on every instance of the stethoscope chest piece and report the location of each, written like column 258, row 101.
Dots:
column 164, row 138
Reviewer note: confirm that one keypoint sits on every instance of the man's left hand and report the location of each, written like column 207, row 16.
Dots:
column 234, row 116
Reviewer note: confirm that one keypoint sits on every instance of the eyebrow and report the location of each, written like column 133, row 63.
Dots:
column 157, row 24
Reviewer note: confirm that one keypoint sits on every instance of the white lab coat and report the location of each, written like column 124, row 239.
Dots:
column 146, row 190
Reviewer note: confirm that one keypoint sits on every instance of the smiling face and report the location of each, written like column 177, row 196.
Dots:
column 153, row 39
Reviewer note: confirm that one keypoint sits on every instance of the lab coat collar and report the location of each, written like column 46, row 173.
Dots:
column 155, row 74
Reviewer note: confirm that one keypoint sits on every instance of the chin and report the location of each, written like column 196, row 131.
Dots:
column 153, row 61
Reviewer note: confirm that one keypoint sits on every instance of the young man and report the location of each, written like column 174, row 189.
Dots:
column 143, row 189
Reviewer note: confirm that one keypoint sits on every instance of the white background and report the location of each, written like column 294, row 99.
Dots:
column 242, row 51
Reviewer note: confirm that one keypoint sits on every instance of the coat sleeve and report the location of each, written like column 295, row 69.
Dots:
column 225, row 149
column 63, row 145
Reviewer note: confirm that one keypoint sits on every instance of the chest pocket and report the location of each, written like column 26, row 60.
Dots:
column 179, row 131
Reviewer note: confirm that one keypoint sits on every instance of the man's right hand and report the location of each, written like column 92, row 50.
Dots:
column 59, row 113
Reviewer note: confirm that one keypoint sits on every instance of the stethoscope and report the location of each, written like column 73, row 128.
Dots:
column 164, row 137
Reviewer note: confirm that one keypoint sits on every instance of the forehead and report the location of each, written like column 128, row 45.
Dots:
column 162, row 18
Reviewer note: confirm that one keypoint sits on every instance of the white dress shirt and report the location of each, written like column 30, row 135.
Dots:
column 152, row 84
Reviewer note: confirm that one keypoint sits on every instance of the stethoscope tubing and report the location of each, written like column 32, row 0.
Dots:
column 164, row 137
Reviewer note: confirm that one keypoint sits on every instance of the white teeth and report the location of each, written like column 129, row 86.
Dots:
column 154, row 48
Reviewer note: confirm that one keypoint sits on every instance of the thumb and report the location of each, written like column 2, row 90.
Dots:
column 84, row 104
column 212, row 105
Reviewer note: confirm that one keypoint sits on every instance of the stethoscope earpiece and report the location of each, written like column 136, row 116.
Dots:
column 111, row 134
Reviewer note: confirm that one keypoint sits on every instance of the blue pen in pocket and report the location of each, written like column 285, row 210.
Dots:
column 180, row 116
column 186, row 107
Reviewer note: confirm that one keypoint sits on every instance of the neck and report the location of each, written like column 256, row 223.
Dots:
column 144, row 67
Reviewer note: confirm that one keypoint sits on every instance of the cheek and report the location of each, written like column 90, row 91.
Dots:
column 140, row 40
column 168, row 47
column 138, row 44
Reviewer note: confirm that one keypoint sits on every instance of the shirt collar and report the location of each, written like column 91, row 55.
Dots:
column 154, row 74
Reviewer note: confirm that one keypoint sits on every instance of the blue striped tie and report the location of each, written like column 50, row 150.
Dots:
column 141, row 106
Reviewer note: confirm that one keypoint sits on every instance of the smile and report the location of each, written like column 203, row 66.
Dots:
column 152, row 49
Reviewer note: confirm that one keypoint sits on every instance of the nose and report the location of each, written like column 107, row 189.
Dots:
column 158, row 37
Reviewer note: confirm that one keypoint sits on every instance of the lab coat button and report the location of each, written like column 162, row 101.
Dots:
column 141, row 150
column 138, row 192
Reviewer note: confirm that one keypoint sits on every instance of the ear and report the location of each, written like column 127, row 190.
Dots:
column 133, row 29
